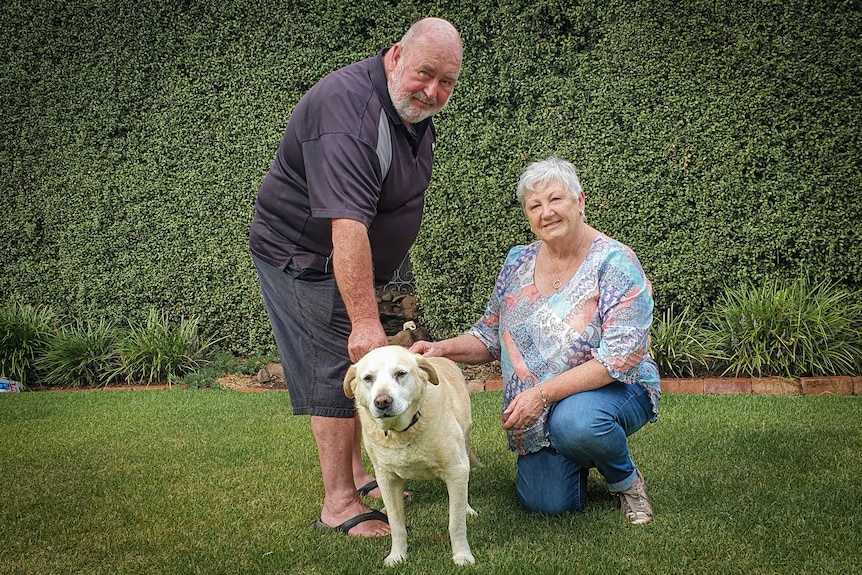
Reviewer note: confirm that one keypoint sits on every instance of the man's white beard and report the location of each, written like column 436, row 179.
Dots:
column 403, row 101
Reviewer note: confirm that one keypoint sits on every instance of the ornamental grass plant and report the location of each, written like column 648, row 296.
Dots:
column 24, row 333
column 81, row 355
column 788, row 329
column 39, row 350
column 160, row 350
column 680, row 344
column 213, row 482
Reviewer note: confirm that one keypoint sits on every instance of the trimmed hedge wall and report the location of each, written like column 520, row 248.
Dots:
column 721, row 141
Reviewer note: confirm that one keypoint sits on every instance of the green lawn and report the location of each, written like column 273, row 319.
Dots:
column 185, row 481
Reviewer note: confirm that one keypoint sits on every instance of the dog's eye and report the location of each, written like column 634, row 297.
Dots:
column 368, row 378
column 400, row 373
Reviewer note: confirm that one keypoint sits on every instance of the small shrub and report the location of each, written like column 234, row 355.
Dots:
column 789, row 329
column 81, row 355
column 160, row 351
column 223, row 362
column 200, row 380
column 24, row 330
column 679, row 345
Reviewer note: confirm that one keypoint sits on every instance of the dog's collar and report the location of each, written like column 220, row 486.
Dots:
column 413, row 421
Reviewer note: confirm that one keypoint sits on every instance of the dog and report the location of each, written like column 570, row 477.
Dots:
column 415, row 414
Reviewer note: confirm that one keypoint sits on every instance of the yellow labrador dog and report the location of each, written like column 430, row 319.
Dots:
column 415, row 414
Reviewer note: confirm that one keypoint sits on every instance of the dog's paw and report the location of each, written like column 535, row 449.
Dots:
column 472, row 512
column 464, row 559
column 394, row 559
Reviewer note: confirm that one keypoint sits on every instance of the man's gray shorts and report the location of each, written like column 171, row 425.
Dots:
column 311, row 328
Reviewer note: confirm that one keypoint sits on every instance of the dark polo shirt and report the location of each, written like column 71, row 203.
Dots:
column 328, row 165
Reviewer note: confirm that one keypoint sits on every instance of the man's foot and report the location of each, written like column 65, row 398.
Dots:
column 635, row 502
column 371, row 516
column 371, row 489
column 365, row 490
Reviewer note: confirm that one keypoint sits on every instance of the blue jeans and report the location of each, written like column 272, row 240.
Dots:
column 587, row 429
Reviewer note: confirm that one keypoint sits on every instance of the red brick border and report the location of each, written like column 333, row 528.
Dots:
column 727, row 385
column 775, row 386
column 674, row 385
column 836, row 385
column 827, row 385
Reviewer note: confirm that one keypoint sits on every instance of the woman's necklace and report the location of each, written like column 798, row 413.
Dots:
column 558, row 283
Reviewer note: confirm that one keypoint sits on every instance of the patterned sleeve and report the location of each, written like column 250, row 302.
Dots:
column 487, row 329
column 626, row 310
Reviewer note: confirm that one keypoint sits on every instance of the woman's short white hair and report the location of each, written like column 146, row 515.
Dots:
column 551, row 169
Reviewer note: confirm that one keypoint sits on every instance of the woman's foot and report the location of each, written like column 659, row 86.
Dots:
column 635, row 502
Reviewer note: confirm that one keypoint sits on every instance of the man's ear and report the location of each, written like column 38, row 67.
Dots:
column 395, row 54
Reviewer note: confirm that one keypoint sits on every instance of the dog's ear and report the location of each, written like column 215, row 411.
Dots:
column 426, row 366
column 350, row 381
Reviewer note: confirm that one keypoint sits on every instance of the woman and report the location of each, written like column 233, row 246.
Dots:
column 569, row 321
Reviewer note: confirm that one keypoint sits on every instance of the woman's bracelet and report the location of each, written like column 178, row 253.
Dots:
column 544, row 398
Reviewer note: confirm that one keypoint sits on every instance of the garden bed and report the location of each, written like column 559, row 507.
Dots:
column 489, row 378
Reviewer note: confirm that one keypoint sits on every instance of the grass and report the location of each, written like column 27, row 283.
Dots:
column 198, row 481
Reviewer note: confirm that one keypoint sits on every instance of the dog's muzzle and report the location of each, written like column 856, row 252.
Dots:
column 382, row 404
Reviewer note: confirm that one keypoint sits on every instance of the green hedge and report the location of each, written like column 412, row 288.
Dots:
column 720, row 140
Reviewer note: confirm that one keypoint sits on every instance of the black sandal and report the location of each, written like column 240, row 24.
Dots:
column 372, row 485
column 373, row 515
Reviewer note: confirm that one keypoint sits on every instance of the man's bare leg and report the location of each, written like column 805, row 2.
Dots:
column 360, row 475
column 337, row 441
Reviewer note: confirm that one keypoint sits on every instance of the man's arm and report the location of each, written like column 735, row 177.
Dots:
column 354, row 274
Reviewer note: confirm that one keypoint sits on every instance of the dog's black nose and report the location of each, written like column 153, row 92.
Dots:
column 382, row 401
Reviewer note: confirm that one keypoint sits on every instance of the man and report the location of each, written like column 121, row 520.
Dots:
column 335, row 216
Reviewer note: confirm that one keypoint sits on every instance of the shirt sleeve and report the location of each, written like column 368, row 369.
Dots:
column 487, row 329
column 625, row 308
column 343, row 176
